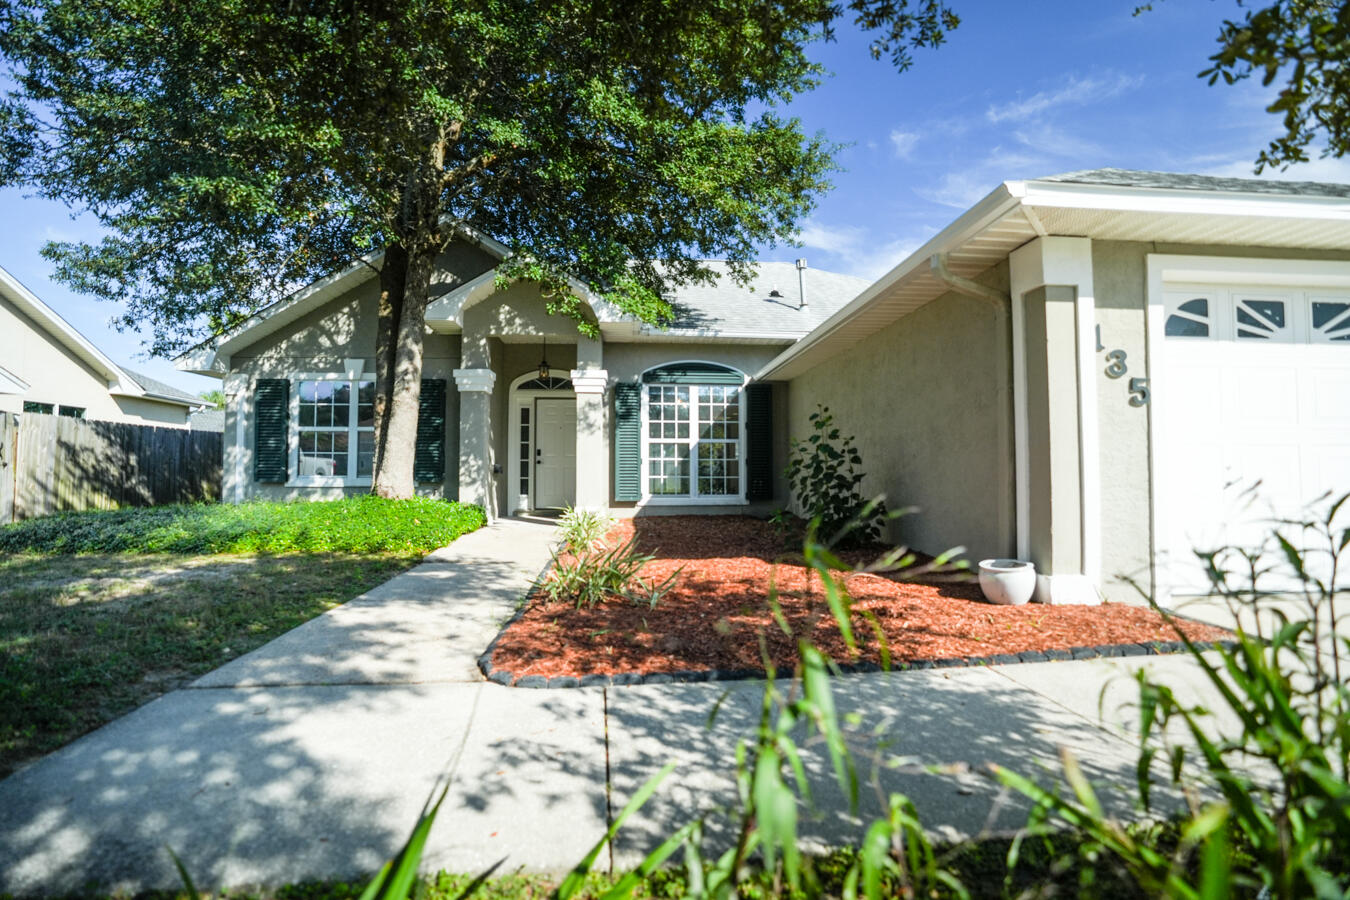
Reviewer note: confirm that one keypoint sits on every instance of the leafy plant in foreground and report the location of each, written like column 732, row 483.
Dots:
column 1269, row 812
column 825, row 474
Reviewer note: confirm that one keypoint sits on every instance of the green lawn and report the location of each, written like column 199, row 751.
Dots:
column 92, row 624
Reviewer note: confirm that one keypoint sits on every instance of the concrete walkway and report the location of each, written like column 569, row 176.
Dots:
column 311, row 757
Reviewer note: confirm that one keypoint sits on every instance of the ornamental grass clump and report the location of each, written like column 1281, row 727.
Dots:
column 586, row 571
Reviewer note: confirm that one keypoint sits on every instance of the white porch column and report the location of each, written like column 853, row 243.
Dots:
column 239, row 408
column 592, row 446
column 475, row 437
column 1055, row 417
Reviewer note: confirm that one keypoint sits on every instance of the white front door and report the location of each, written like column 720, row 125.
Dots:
column 1257, row 389
column 555, row 453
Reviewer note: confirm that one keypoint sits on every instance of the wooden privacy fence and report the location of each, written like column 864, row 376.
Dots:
column 54, row 463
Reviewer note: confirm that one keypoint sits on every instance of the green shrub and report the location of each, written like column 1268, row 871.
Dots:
column 590, row 573
column 365, row 524
column 825, row 474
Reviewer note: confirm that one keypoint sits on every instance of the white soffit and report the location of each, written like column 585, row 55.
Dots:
column 1018, row 211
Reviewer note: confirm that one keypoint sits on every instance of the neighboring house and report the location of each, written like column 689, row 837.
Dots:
column 46, row 366
column 1069, row 373
column 208, row 419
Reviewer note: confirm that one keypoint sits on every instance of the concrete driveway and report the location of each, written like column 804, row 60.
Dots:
column 312, row 756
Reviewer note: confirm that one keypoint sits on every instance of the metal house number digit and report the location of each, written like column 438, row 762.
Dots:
column 1138, row 391
column 1116, row 364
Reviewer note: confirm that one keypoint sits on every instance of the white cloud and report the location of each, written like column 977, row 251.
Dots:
column 1074, row 92
column 1057, row 142
column 855, row 251
column 966, row 186
column 904, row 142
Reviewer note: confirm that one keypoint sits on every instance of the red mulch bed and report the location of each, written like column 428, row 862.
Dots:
column 717, row 616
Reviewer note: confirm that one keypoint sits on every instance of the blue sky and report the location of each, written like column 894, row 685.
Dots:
column 1020, row 90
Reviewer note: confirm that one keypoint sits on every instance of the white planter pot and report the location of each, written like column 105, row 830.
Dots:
column 1007, row 581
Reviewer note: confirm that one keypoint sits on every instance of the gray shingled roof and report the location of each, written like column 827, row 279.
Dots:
column 1179, row 182
column 207, row 420
column 728, row 308
column 158, row 387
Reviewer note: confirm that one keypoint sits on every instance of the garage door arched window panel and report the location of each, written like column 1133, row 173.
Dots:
column 1189, row 319
column 1262, row 318
column 1331, row 320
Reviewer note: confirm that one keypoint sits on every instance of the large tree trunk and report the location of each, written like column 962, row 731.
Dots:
column 396, row 474
column 421, row 245
column 393, row 277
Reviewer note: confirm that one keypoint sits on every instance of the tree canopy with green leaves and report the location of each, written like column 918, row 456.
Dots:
column 236, row 149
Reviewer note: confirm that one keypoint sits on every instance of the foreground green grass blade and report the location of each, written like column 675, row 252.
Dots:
column 577, row 877
column 395, row 879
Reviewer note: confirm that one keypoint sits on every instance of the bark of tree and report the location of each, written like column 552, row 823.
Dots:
column 421, row 244
column 397, row 478
column 393, row 277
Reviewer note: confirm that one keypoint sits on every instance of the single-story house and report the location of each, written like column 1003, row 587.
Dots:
column 48, row 367
column 1072, row 372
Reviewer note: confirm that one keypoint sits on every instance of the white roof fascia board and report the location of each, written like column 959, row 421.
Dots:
column 994, row 207
column 158, row 398
column 64, row 332
column 1115, row 198
column 203, row 360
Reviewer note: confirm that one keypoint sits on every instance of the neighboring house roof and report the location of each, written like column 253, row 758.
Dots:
column 161, row 391
column 1102, row 204
column 207, row 420
column 120, row 382
column 11, row 383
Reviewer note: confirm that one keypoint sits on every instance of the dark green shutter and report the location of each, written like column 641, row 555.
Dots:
column 759, row 442
column 271, row 414
column 429, row 460
column 627, row 441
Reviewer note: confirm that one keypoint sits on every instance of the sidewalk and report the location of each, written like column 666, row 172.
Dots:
column 311, row 757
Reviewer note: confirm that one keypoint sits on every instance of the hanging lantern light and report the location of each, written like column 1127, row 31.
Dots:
column 543, row 362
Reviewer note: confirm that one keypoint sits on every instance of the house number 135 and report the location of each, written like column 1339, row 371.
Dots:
column 1116, row 368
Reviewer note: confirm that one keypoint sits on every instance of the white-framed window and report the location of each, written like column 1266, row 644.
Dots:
column 332, row 429
column 693, row 443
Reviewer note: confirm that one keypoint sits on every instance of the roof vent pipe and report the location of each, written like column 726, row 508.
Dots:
column 801, row 283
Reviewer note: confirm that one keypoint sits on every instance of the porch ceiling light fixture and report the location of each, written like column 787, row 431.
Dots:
column 543, row 362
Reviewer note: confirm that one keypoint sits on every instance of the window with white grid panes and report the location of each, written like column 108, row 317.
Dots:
column 719, row 441
column 668, row 439
column 524, row 451
column 336, row 429
column 693, row 440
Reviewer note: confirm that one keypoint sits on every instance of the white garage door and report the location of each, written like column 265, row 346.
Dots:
column 1253, row 386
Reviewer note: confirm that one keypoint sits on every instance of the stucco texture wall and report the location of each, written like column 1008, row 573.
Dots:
column 927, row 401
column 320, row 342
column 57, row 376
